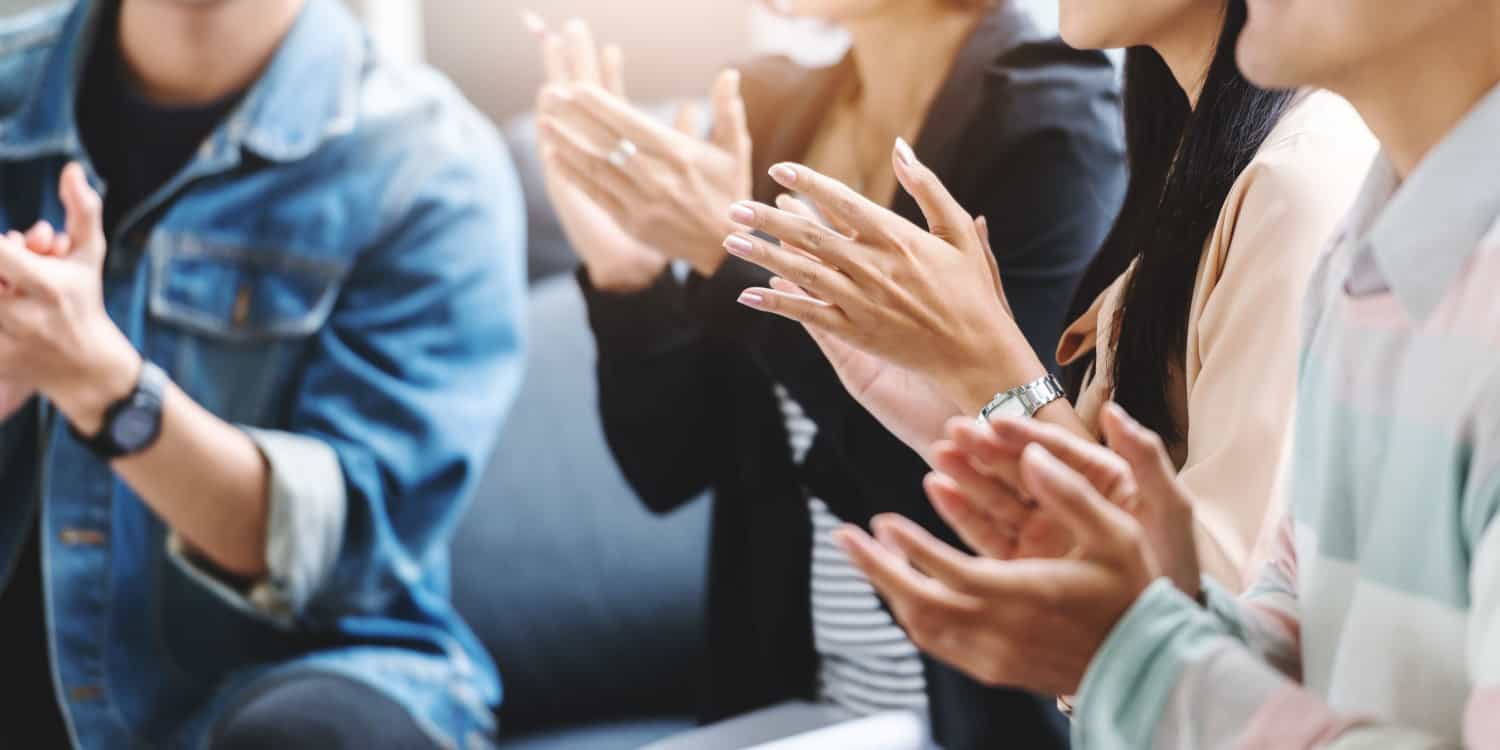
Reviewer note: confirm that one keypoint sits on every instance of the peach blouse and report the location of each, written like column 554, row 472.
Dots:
column 1235, row 390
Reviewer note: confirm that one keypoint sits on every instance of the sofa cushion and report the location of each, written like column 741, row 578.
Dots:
column 591, row 606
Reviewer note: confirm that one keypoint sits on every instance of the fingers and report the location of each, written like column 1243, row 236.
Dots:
column 1107, row 471
column 583, row 56
column 1099, row 527
column 806, row 234
column 85, row 215
column 555, row 69
column 731, row 131
column 905, row 589
column 841, row 204
column 798, row 207
column 976, row 528
column 926, row 552
column 40, row 238
column 612, row 69
column 982, row 228
column 827, row 283
column 1150, row 465
column 689, row 119
column 19, row 267
column 589, row 161
column 810, row 312
column 581, row 176
column 620, row 120
column 945, row 217
column 996, row 498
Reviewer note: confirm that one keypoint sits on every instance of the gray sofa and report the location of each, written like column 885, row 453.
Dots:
column 591, row 606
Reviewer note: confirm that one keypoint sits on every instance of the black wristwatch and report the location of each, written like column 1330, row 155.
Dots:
column 133, row 423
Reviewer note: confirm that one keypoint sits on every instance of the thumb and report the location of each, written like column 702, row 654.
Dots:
column 945, row 218
column 1155, row 474
column 731, row 131
column 85, row 214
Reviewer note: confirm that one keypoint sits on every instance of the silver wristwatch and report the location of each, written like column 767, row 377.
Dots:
column 1024, row 401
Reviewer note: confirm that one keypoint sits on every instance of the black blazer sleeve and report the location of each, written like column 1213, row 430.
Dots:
column 658, row 382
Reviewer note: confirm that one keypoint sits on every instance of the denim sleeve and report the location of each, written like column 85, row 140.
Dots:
column 416, row 370
column 304, row 529
column 397, row 407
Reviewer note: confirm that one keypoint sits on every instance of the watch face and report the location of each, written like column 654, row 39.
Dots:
column 1011, row 407
column 133, row 427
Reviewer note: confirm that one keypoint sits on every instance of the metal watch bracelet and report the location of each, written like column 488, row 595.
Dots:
column 1030, row 398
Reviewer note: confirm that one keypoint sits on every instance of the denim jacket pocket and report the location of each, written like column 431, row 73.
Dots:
column 240, row 293
column 229, row 322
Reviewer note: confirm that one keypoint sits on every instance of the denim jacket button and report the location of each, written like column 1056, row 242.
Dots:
column 241, row 305
column 85, row 693
column 81, row 537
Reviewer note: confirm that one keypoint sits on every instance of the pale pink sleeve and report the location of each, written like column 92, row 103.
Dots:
column 1243, row 352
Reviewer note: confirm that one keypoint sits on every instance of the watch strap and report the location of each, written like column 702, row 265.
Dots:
column 1032, row 397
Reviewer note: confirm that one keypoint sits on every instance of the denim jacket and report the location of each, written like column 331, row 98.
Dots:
column 338, row 270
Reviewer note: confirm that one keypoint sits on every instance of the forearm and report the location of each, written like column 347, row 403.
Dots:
column 208, row 482
column 204, row 477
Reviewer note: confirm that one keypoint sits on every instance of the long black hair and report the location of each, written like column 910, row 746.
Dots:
column 1183, row 161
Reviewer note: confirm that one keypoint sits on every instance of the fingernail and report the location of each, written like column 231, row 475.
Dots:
column 534, row 22
column 738, row 246
column 751, row 299
column 784, row 174
column 904, row 152
column 741, row 213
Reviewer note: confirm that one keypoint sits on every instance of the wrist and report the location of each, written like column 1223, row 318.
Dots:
column 624, row 277
column 107, row 378
column 983, row 375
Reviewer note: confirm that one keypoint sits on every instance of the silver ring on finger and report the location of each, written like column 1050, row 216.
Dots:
column 622, row 153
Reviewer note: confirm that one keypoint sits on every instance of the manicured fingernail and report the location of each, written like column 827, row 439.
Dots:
column 784, row 174
column 751, row 299
column 904, row 152
column 738, row 246
column 534, row 22
column 741, row 213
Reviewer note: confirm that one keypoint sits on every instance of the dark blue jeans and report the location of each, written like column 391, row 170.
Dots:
column 312, row 710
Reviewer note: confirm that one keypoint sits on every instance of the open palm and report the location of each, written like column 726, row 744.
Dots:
column 614, row 260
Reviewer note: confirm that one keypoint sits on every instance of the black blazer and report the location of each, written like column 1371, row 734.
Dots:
column 1025, row 131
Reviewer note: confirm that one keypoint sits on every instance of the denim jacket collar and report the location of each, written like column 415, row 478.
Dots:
column 306, row 96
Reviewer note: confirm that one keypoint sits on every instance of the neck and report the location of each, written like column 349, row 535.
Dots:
column 1189, row 47
column 190, row 53
column 1413, row 97
column 902, row 55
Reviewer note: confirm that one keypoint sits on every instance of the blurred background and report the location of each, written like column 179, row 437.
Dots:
column 673, row 47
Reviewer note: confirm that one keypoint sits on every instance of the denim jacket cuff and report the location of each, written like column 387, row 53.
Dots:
column 305, row 529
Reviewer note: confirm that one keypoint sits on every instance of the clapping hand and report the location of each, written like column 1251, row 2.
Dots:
column 613, row 259
column 41, row 239
column 55, row 335
column 1036, row 622
column 905, row 401
column 928, row 301
column 666, row 187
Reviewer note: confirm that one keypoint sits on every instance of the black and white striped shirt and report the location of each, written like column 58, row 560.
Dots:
column 866, row 662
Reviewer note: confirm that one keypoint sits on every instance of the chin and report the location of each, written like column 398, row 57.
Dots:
column 1266, row 62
